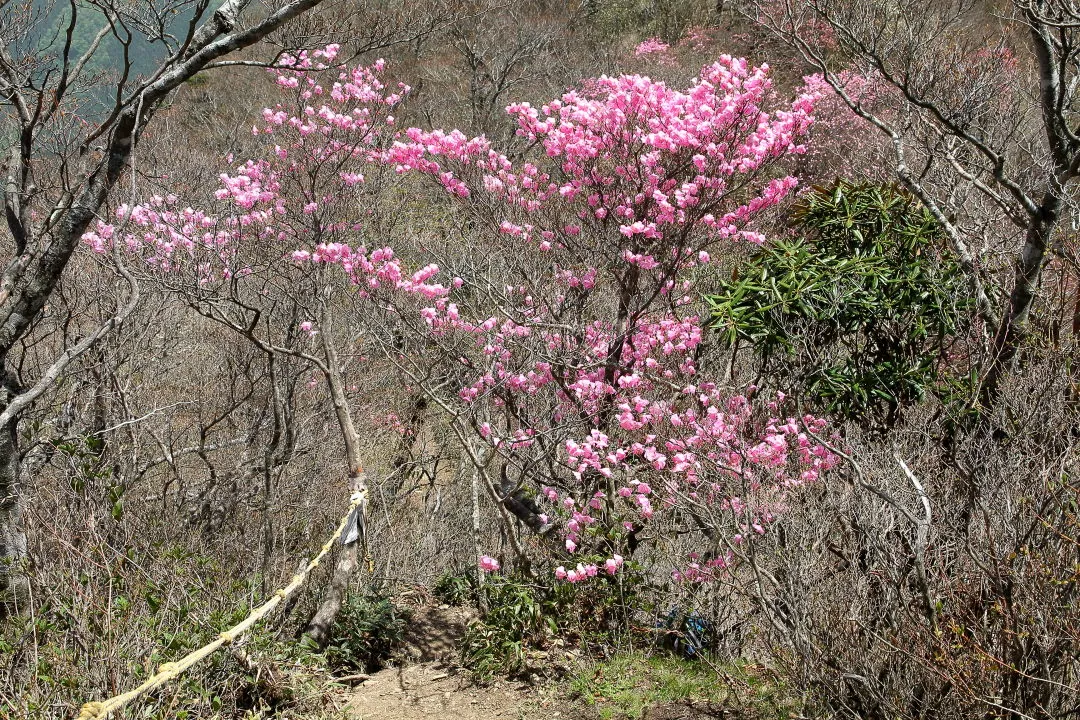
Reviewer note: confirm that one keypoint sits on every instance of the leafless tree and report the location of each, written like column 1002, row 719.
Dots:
column 59, row 167
column 979, row 105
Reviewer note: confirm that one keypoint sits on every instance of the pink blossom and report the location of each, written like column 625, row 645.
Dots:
column 652, row 46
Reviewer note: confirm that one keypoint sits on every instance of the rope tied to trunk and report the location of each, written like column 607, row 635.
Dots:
column 171, row 670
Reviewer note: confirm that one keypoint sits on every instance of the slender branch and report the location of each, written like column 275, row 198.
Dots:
column 23, row 400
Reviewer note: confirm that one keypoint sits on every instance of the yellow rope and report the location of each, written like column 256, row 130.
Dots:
column 171, row 670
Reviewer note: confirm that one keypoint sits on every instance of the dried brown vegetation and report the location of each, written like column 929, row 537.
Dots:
column 164, row 466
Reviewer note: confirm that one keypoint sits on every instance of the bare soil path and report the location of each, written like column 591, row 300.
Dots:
column 433, row 690
column 429, row 684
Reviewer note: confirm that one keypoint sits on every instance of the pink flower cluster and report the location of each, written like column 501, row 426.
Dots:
column 641, row 133
column 651, row 46
column 272, row 201
column 584, row 572
column 696, row 38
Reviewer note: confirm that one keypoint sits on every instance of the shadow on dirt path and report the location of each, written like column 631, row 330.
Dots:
column 430, row 684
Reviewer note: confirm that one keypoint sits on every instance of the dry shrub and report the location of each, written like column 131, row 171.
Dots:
column 947, row 591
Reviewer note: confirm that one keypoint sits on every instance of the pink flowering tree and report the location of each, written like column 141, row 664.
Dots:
column 575, row 352
column 230, row 254
column 560, row 330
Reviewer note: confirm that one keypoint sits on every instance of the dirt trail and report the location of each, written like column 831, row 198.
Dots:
column 429, row 684
column 432, row 690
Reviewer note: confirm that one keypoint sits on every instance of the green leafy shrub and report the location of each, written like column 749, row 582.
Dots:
column 860, row 310
column 455, row 587
column 523, row 617
column 516, row 620
column 367, row 630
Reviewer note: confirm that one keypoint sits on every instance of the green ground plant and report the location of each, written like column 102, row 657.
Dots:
column 627, row 686
column 134, row 623
column 455, row 587
column 368, row 629
column 524, row 620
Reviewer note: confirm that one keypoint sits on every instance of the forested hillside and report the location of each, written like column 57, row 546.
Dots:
column 136, row 42
column 556, row 358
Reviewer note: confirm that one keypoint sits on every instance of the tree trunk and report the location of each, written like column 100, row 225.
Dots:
column 14, row 581
column 318, row 628
column 477, row 550
column 1012, row 330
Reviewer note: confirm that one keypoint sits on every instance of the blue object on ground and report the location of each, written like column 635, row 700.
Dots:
column 687, row 633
